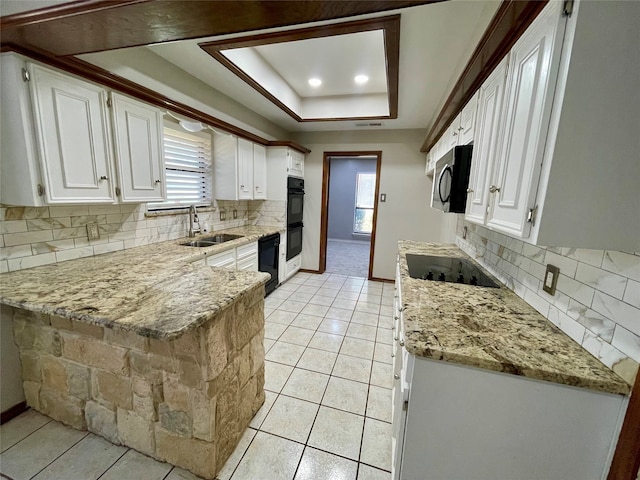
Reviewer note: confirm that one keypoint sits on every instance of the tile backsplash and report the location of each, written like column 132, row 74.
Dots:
column 597, row 299
column 32, row 236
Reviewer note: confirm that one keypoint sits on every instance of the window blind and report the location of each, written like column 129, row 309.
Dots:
column 187, row 160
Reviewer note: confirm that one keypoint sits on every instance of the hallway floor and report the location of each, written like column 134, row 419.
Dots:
column 326, row 415
column 348, row 257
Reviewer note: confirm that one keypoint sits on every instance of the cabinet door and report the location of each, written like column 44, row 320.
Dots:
column 468, row 121
column 296, row 163
column 259, row 172
column 137, row 131
column 73, row 138
column 533, row 65
column 452, row 135
column 485, row 144
column 245, row 169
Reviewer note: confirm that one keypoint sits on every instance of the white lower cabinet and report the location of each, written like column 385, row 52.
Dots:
column 244, row 257
column 451, row 421
column 224, row 260
column 293, row 266
column 247, row 257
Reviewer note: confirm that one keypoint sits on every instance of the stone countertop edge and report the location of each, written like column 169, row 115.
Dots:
column 492, row 329
column 157, row 291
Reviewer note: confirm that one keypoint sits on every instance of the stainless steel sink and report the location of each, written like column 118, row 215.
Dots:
column 211, row 241
column 220, row 238
column 198, row 243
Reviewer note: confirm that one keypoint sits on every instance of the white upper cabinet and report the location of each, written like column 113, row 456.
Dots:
column 295, row 163
column 460, row 132
column 468, row 121
column 565, row 168
column 259, row 172
column 57, row 143
column 137, row 132
column 239, row 168
column 485, row 144
column 533, row 66
column 245, row 169
column 72, row 130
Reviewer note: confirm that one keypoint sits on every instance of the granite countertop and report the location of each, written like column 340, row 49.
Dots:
column 491, row 328
column 156, row 290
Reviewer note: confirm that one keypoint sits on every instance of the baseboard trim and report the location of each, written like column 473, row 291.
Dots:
column 13, row 412
column 385, row 280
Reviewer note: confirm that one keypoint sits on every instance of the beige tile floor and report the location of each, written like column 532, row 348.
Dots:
column 326, row 415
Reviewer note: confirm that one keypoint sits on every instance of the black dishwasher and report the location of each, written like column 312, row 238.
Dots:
column 268, row 253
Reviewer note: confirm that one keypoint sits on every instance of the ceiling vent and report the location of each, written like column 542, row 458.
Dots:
column 369, row 124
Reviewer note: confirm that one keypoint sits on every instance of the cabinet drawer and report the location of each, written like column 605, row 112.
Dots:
column 247, row 250
column 225, row 259
column 293, row 266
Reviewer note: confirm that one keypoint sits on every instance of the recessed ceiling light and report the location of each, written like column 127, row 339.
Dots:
column 315, row 82
column 361, row 79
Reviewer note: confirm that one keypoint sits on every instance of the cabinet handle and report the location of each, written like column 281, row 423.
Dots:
column 395, row 317
column 494, row 188
column 104, row 177
column 241, row 186
column 469, row 190
column 158, row 181
column 395, row 338
column 455, row 134
column 402, row 343
column 393, row 355
column 396, row 376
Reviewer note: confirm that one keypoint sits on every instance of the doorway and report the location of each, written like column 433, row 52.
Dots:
column 350, row 189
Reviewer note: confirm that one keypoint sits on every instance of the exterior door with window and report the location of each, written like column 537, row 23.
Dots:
column 365, row 196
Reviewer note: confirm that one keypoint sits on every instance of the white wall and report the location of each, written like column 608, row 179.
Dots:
column 405, row 215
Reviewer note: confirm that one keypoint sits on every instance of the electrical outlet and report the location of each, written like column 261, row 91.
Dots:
column 235, row 213
column 223, row 215
column 550, row 279
column 93, row 233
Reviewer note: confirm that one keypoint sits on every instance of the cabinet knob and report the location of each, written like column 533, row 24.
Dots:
column 494, row 188
column 158, row 181
column 455, row 134
column 396, row 376
column 241, row 186
column 402, row 343
column 469, row 190
column 104, row 177
column 257, row 187
column 395, row 338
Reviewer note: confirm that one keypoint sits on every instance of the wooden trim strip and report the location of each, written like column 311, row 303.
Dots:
column 290, row 144
column 305, row 270
column 626, row 459
column 391, row 30
column 384, row 280
column 372, row 244
column 508, row 24
column 13, row 412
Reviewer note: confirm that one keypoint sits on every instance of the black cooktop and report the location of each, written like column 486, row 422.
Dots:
column 447, row 269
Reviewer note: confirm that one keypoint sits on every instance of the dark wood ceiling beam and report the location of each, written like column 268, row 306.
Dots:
column 510, row 21
column 98, row 25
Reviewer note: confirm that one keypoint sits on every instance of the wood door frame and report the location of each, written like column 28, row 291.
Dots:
column 324, row 213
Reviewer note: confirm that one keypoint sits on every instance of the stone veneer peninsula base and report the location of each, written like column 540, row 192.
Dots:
column 185, row 401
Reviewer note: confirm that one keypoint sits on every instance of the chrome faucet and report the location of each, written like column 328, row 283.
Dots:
column 193, row 218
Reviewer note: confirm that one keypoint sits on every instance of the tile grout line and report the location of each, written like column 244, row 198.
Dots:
column 52, row 461
column 117, row 460
column 22, row 439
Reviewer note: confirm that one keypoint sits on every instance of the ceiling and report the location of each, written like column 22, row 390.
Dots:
column 436, row 42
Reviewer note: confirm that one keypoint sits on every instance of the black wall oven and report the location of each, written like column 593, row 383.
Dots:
column 295, row 203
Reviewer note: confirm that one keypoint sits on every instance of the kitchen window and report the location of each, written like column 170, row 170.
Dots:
column 187, row 160
column 365, row 195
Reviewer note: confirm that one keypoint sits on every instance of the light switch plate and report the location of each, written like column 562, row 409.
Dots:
column 93, row 233
column 550, row 279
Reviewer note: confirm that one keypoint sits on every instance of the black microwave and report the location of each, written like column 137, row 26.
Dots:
column 451, row 180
